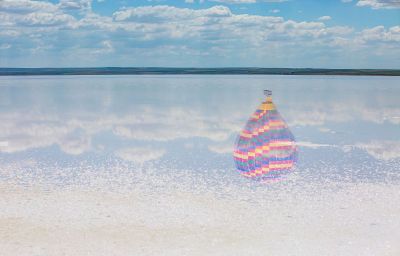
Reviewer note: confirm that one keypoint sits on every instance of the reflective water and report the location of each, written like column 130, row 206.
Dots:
column 143, row 164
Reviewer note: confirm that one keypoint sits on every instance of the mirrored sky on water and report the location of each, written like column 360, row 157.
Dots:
column 77, row 130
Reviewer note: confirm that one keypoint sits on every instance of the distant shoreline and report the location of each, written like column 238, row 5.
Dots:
column 195, row 71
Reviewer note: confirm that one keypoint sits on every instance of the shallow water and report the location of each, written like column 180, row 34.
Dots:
column 123, row 165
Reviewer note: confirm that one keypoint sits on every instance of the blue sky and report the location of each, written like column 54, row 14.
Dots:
column 205, row 33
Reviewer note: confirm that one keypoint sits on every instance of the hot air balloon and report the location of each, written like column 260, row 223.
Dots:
column 265, row 149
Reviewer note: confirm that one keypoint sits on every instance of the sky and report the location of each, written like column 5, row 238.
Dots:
column 200, row 33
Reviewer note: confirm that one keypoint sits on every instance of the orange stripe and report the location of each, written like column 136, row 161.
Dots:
column 257, row 172
column 264, row 170
column 266, row 127
column 263, row 149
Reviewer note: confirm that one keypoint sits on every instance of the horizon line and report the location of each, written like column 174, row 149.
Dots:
column 194, row 71
column 188, row 67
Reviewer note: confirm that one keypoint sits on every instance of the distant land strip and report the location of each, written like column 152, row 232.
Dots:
column 195, row 71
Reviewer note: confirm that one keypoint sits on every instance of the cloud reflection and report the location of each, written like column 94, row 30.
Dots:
column 382, row 150
column 140, row 155
column 122, row 118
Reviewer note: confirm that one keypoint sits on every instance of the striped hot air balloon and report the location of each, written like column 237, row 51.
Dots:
column 266, row 148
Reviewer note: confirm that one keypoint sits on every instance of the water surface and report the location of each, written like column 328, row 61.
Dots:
column 124, row 165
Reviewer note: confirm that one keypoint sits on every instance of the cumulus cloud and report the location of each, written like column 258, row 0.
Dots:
column 235, row 1
column 45, row 19
column 9, row 33
column 108, row 47
column 173, row 124
column 5, row 46
column 75, row 142
column 32, row 13
column 105, row 47
column 175, row 36
column 140, row 155
column 379, row 149
column 324, row 18
column 221, row 148
column 320, row 113
column 246, row 1
column 380, row 4
column 81, row 5
column 159, row 13
column 24, row 131
column 26, row 6
column 381, row 34
column 382, row 150
column 21, row 135
column 312, row 145
column 74, row 133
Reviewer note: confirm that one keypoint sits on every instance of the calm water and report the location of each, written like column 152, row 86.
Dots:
column 123, row 165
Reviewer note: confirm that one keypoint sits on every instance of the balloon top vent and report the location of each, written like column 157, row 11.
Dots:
column 267, row 93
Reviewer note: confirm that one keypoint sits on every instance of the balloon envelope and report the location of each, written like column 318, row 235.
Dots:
column 266, row 148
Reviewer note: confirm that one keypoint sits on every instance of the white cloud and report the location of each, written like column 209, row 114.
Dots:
column 174, row 125
column 380, row 4
column 379, row 149
column 179, row 34
column 275, row 11
column 140, row 155
column 26, row 6
column 20, row 135
column 246, row 1
column 79, row 5
column 5, row 46
column 152, row 14
column 221, row 148
column 106, row 47
column 325, row 130
column 324, row 18
column 320, row 113
column 383, row 150
column 45, row 18
column 32, row 13
column 339, row 30
column 9, row 33
column 312, row 145
column 381, row 34
column 24, row 131
column 75, row 143
column 235, row 1
column 28, row 130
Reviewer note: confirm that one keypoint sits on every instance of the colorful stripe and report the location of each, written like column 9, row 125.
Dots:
column 275, row 166
column 280, row 145
column 278, row 124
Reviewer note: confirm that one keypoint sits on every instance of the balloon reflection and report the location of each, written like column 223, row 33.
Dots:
column 265, row 149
